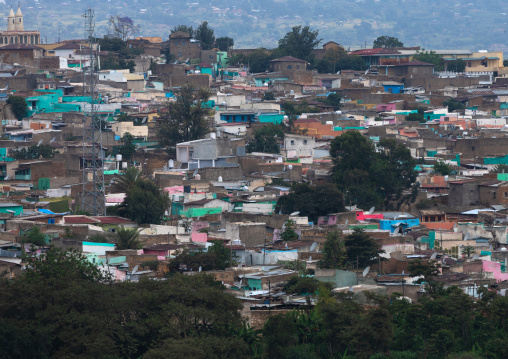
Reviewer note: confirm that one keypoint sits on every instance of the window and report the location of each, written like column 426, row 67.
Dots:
column 289, row 67
column 506, row 195
column 304, row 142
column 298, row 67
column 292, row 142
column 179, row 54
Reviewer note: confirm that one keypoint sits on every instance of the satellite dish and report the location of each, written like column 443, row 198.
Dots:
column 347, row 221
column 6, row 178
column 195, row 173
column 290, row 167
column 200, row 269
column 371, row 210
column 366, row 271
column 39, row 143
column 52, row 140
column 219, row 179
column 135, row 269
column 8, row 193
column 295, row 213
column 108, row 158
column 433, row 256
column 313, row 247
column 310, row 258
column 397, row 231
column 476, row 256
column 144, row 120
column 467, row 236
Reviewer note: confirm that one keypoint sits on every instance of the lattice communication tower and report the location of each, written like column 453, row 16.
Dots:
column 93, row 196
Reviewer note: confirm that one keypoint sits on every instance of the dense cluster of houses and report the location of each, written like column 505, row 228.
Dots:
column 221, row 192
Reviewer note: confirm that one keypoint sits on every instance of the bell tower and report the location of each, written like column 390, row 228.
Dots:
column 11, row 21
column 18, row 20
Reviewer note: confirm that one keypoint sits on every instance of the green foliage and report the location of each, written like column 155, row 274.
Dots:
column 79, row 318
column 184, row 28
column 299, row 43
column 288, row 233
column 186, row 118
column 127, row 239
column 265, row 139
column 34, row 152
column 126, row 180
column 19, row 106
column 205, row 35
column 123, row 27
column 334, row 251
column 223, row 258
column 124, row 117
column 387, row 42
column 370, row 178
column 128, row 148
column 257, row 60
column 427, row 270
column 442, row 168
column 68, row 233
column 334, row 99
column 218, row 257
column 454, row 105
column 311, row 200
column 268, row 96
column 415, row 117
column 35, row 236
column 112, row 63
column 456, row 65
column 502, row 168
column 145, row 203
column 292, row 110
column 468, row 251
column 224, row 43
column 57, row 264
column 361, row 249
column 430, row 57
column 301, row 285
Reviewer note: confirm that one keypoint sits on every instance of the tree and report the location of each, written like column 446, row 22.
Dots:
column 442, row 168
column 35, row 236
column 258, row 61
column 184, row 28
column 126, row 180
column 123, row 27
column 186, row 118
column 124, row 117
column 127, row 239
column 456, row 65
column 223, row 258
column 387, row 42
column 265, row 139
column 34, row 152
column 334, row 251
column 427, row 270
column 430, row 57
column 454, row 105
column 468, row 251
column 128, row 148
column 224, row 43
column 205, row 35
column 371, row 177
column 311, row 200
column 361, row 249
column 288, row 232
column 334, row 100
column 19, row 106
column 415, row 117
column 145, row 203
column 57, row 264
column 268, row 96
column 299, row 43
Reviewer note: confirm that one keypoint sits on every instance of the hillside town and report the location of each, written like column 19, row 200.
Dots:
column 379, row 170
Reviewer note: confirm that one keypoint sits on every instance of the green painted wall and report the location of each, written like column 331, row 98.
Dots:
column 17, row 210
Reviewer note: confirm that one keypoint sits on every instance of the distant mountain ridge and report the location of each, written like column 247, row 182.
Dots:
column 432, row 24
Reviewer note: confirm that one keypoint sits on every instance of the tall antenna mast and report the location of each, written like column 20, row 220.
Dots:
column 93, row 197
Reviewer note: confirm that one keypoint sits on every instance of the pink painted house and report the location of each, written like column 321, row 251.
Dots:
column 362, row 216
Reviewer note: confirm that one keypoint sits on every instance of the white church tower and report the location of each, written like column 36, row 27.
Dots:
column 11, row 21
column 18, row 23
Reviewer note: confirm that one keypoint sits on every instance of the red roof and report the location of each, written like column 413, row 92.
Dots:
column 367, row 52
